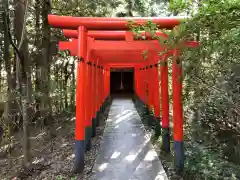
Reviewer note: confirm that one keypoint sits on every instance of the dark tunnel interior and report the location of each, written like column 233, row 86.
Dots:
column 122, row 81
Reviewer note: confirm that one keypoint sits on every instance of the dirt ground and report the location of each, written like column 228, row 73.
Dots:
column 52, row 159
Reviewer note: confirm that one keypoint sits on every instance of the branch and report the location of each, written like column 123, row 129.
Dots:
column 6, row 22
column 20, row 56
column 24, row 25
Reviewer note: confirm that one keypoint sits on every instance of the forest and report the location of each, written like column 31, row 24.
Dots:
column 37, row 83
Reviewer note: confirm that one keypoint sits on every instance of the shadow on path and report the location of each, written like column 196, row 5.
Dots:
column 126, row 151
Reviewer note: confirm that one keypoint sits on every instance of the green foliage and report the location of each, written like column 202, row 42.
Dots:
column 211, row 82
column 208, row 164
column 177, row 6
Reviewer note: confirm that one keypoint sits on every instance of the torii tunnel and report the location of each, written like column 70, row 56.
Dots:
column 104, row 43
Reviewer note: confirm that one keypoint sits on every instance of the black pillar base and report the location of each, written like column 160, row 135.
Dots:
column 97, row 118
column 93, row 127
column 104, row 106
column 150, row 119
column 146, row 110
column 79, row 156
column 157, row 127
column 87, row 142
column 165, row 140
column 179, row 156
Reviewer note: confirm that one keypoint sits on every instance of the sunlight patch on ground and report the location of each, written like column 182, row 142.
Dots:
column 71, row 157
column 63, row 145
column 134, row 154
column 151, row 155
column 60, row 127
column 102, row 167
column 109, row 120
column 36, row 161
column 20, row 157
column 39, row 135
column 123, row 117
column 115, row 155
column 117, row 126
column 131, row 157
column 161, row 176
column 123, row 113
column 73, row 119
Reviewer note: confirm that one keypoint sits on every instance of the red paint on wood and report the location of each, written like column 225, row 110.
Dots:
column 164, row 91
column 103, row 23
column 156, row 92
column 81, row 71
column 177, row 98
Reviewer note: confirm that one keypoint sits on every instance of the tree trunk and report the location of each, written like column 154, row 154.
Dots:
column 7, row 61
column 61, row 87
column 38, row 57
column 45, row 49
column 24, row 74
column 130, row 7
column 66, row 76
column 57, row 95
column 73, row 86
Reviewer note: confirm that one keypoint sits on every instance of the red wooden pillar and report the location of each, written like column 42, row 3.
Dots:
column 150, row 81
column 142, row 84
column 94, row 120
column 136, row 80
column 177, row 112
column 139, row 81
column 107, row 78
column 147, row 85
column 156, row 93
column 109, row 73
column 101, row 85
column 102, row 88
column 98, row 90
column 156, row 100
column 165, row 103
column 104, row 83
column 146, row 76
column 150, row 85
column 88, row 97
column 103, row 95
column 80, row 104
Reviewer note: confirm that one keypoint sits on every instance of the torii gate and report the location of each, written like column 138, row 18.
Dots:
column 103, row 43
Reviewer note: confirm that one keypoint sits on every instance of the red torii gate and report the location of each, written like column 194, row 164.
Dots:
column 99, row 49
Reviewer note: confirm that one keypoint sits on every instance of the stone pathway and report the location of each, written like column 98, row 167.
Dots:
column 126, row 152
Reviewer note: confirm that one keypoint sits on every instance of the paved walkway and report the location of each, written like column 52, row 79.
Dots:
column 126, row 152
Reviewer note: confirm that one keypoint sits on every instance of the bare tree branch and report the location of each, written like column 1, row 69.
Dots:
column 24, row 26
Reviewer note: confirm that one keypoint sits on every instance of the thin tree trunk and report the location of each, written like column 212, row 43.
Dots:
column 66, row 76
column 57, row 87
column 37, row 56
column 23, row 65
column 8, row 104
column 73, row 86
column 130, row 7
column 61, row 87
column 45, row 49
